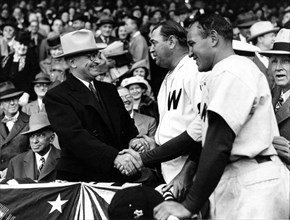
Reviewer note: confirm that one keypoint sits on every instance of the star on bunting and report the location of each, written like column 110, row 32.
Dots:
column 56, row 205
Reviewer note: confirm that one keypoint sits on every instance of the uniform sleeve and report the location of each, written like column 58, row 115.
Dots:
column 213, row 160
column 234, row 108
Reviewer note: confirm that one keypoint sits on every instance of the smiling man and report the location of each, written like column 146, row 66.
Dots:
column 88, row 116
column 238, row 168
column 39, row 162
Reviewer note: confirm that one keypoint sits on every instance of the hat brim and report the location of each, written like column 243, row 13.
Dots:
column 117, row 53
column 35, row 128
column 11, row 95
column 99, row 46
column 41, row 81
column 265, row 32
column 274, row 52
column 246, row 24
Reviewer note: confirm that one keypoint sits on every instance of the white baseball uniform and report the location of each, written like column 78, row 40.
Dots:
column 178, row 98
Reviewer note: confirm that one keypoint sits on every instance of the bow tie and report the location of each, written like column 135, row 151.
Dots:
column 7, row 119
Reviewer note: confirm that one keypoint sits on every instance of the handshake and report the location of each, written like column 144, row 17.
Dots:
column 128, row 161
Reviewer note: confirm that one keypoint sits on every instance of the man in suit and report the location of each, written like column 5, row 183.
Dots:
column 36, row 37
column 41, row 84
column 262, row 35
column 106, row 27
column 12, row 123
column 146, row 125
column 39, row 162
column 279, row 67
column 89, row 117
column 138, row 46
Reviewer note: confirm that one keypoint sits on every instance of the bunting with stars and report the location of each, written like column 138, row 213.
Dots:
column 54, row 201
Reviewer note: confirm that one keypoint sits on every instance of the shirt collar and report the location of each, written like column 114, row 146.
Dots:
column 38, row 156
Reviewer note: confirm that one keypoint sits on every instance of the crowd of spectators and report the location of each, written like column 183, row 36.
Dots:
column 35, row 60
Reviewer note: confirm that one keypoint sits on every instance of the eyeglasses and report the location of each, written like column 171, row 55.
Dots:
column 94, row 56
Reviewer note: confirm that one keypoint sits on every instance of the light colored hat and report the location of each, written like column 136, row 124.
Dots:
column 37, row 121
column 138, row 64
column 77, row 42
column 261, row 28
column 114, row 49
column 281, row 45
column 286, row 10
column 135, row 80
column 244, row 49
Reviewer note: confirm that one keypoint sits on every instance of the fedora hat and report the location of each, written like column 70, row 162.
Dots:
column 286, row 10
column 53, row 41
column 10, row 22
column 105, row 19
column 114, row 49
column 42, row 78
column 135, row 80
column 245, row 20
column 261, row 28
column 37, row 121
column 244, row 49
column 8, row 90
column 78, row 42
column 281, row 45
column 138, row 64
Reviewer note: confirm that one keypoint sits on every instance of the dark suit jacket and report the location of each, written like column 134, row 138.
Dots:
column 111, row 39
column 13, row 143
column 283, row 113
column 145, row 124
column 90, row 140
column 264, row 70
column 25, row 166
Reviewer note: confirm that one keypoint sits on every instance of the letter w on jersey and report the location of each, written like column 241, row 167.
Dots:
column 173, row 99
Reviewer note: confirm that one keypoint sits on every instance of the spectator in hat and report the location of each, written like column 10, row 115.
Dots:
column 244, row 21
column 89, row 116
column 21, row 66
column 41, row 84
column 9, row 30
column 286, row 18
column 39, row 163
column 146, row 125
column 78, row 21
column 122, row 34
column 106, row 25
column 279, row 67
column 57, row 29
column 137, row 11
column 58, row 73
column 262, row 35
column 138, row 46
column 12, row 123
column 142, row 103
column 54, row 50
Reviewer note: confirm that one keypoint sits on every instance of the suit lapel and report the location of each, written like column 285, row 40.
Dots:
column 50, row 163
column 283, row 112
column 3, row 130
column 83, row 95
column 18, row 126
column 29, row 165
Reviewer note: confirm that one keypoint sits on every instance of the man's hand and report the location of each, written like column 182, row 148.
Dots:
column 128, row 163
column 150, row 141
column 182, row 181
column 139, row 144
column 282, row 145
column 167, row 208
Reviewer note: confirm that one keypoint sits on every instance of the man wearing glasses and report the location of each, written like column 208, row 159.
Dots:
column 38, row 163
column 89, row 116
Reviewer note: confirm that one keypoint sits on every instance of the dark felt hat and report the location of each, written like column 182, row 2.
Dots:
column 135, row 202
column 8, row 90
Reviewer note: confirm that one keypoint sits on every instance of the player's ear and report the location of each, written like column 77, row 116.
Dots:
column 214, row 37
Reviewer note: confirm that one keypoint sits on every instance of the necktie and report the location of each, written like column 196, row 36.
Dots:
column 279, row 103
column 42, row 160
column 91, row 87
column 7, row 119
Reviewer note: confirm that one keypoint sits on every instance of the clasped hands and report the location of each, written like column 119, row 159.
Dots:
column 128, row 161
